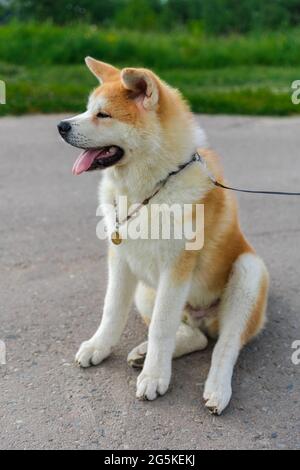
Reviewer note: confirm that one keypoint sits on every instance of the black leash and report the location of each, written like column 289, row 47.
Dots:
column 198, row 158
column 277, row 193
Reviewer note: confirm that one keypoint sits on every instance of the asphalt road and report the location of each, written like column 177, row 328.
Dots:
column 53, row 278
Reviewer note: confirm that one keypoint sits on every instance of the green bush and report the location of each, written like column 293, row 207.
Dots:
column 215, row 16
column 45, row 44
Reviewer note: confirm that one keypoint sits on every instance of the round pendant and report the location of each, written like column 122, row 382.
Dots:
column 116, row 238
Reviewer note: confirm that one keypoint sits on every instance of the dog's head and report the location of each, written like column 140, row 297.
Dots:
column 125, row 115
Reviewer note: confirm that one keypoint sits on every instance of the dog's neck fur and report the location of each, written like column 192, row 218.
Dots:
column 138, row 179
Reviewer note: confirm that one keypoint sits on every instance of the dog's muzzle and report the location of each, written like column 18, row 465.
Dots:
column 95, row 158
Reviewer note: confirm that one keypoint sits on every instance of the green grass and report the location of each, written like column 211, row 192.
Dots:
column 239, row 90
column 239, row 75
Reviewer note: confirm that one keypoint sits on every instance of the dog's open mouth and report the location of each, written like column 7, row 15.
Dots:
column 97, row 159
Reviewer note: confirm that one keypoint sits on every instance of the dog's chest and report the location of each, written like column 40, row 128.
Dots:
column 147, row 247
column 142, row 259
column 148, row 258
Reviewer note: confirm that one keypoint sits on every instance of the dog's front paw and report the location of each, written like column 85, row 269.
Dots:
column 217, row 395
column 91, row 354
column 149, row 386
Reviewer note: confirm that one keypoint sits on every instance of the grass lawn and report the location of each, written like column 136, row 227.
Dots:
column 261, row 90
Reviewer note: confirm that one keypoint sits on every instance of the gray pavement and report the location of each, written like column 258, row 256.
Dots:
column 53, row 278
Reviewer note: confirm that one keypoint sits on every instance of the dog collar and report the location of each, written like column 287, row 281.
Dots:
column 115, row 236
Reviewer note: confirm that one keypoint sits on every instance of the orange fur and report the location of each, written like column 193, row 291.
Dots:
column 184, row 266
column 119, row 103
column 223, row 240
column 211, row 327
column 147, row 320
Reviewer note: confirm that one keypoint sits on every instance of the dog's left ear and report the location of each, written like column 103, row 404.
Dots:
column 144, row 86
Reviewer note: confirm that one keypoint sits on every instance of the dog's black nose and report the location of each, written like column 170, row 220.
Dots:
column 64, row 127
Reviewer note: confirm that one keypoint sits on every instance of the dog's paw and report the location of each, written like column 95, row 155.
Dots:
column 90, row 354
column 151, row 386
column 217, row 396
column 136, row 357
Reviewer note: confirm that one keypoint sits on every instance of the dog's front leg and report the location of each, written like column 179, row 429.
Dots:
column 118, row 300
column 170, row 300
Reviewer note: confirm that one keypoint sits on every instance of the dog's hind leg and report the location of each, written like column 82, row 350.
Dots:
column 188, row 339
column 241, row 317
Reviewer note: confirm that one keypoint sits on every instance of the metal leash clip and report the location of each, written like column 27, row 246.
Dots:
column 197, row 158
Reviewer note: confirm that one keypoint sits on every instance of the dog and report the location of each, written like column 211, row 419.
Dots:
column 140, row 132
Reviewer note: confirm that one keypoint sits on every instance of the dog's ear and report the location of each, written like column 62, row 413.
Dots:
column 143, row 84
column 104, row 72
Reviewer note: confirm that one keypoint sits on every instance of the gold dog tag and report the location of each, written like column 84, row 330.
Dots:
column 116, row 238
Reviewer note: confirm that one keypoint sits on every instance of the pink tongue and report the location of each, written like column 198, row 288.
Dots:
column 85, row 160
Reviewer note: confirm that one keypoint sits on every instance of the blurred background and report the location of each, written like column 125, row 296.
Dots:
column 226, row 56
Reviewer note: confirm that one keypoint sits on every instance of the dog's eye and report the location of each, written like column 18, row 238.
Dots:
column 103, row 115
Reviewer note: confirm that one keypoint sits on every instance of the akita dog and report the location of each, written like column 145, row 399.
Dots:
column 142, row 133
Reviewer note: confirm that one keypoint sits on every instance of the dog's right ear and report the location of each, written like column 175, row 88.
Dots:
column 104, row 72
column 144, row 86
